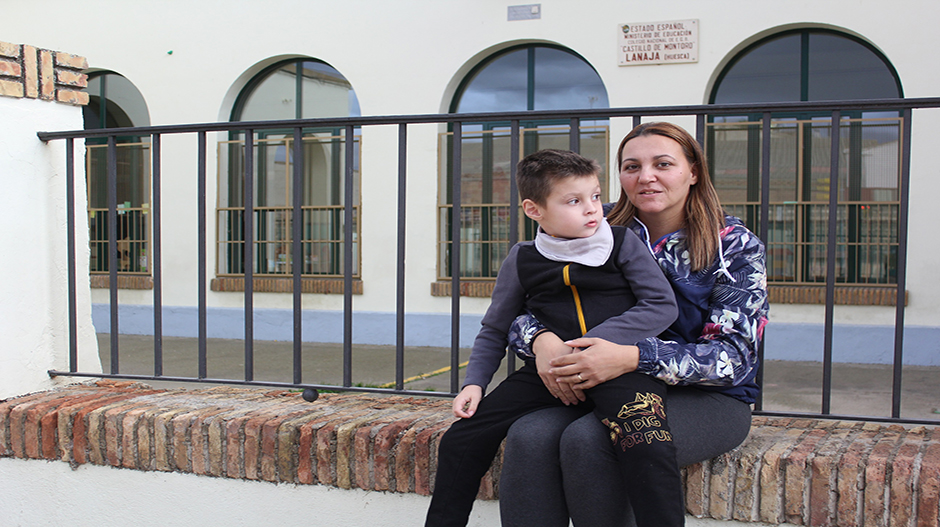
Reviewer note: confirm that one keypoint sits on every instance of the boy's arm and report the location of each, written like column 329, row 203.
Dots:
column 655, row 308
column 489, row 347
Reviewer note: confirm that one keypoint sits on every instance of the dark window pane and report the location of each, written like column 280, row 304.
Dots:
column 499, row 86
column 840, row 68
column 769, row 72
column 563, row 81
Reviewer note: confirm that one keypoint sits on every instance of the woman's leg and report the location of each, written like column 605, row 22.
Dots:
column 530, row 490
column 632, row 409
column 703, row 425
column 468, row 447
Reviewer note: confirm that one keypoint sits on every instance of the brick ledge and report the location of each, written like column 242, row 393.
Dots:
column 800, row 471
column 334, row 286
column 777, row 294
column 103, row 281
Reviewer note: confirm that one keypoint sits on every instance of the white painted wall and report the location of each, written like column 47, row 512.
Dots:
column 40, row 493
column 408, row 58
column 34, row 334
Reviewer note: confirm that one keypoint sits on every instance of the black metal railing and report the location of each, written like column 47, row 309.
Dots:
column 700, row 112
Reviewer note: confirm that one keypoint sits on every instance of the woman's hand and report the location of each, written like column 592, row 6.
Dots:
column 548, row 347
column 598, row 361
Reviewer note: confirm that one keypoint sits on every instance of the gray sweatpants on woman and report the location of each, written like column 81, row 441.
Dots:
column 544, row 446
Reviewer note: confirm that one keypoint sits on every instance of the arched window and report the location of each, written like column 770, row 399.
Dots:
column 813, row 65
column 521, row 78
column 114, row 102
column 300, row 88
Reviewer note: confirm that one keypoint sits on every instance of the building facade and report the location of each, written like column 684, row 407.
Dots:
column 175, row 62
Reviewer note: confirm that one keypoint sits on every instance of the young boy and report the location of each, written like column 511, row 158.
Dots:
column 579, row 274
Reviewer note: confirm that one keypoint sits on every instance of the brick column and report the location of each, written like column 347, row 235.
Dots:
column 34, row 73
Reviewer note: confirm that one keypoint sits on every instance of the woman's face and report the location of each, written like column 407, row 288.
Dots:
column 657, row 177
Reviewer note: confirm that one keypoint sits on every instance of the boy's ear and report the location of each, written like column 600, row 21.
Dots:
column 531, row 209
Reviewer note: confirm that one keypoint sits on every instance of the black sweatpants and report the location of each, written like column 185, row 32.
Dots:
column 632, row 409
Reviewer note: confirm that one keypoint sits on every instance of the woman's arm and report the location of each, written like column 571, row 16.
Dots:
column 725, row 353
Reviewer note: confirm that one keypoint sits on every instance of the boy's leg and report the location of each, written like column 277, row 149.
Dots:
column 633, row 409
column 467, row 449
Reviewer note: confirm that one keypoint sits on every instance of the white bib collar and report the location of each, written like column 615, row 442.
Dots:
column 592, row 251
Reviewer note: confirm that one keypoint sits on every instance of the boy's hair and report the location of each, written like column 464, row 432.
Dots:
column 538, row 173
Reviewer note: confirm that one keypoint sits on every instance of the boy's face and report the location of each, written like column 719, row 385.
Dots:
column 572, row 210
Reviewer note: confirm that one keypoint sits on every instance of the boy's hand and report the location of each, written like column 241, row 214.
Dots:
column 548, row 347
column 465, row 404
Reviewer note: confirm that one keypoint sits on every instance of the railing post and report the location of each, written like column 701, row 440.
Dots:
column 835, row 133
column 348, row 255
column 905, row 197
column 400, row 274
column 248, row 252
column 70, row 237
column 297, row 253
column 202, row 287
column 157, row 264
column 455, row 261
column 112, row 252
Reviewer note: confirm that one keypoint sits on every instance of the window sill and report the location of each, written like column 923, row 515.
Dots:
column 325, row 286
column 844, row 295
column 103, row 281
column 778, row 294
column 472, row 289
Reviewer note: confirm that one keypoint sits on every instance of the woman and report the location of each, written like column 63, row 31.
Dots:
column 558, row 464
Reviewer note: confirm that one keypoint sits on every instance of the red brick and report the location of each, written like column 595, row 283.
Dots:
column 11, row 88
column 850, row 480
column 163, row 439
column 269, row 438
column 696, row 489
column 901, row 497
column 129, row 423
column 80, row 439
column 385, row 441
column 114, row 429
column 328, row 463
column 425, row 454
column 875, row 510
column 796, row 491
column 71, row 61
column 772, row 479
column 10, row 69
column 823, row 471
column 46, row 76
column 35, row 435
column 199, row 432
column 928, row 487
column 747, row 481
column 179, row 430
column 31, row 71
column 345, row 449
column 9, row 50
column 6, row 408
column 74, row 97
column 721, row 487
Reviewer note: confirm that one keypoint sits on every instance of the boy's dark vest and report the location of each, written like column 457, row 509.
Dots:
column 570, row 298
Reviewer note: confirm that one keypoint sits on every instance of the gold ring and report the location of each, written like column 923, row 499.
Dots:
column 580, row 378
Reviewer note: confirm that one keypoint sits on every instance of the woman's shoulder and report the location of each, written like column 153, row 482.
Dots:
column 737, row 238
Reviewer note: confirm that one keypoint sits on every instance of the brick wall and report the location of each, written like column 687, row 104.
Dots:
column 30, row 72
column 797, row 471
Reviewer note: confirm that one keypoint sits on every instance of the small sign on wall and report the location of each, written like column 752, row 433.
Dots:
column 671, row 42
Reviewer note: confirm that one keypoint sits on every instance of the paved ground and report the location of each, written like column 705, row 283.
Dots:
column 857, row 389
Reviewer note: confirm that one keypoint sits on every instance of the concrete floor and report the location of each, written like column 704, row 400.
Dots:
column 857, row 389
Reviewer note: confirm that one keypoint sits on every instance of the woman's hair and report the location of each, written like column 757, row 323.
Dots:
column 704, row 218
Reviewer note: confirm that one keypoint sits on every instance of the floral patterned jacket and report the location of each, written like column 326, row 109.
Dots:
column 722, row 313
